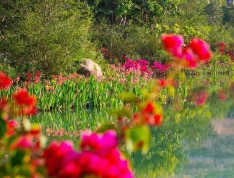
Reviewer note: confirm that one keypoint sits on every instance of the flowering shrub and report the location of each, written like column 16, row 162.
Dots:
column 187, row 56
column 161, row 67
column 224, row 50
column 140, row 65
column 99, row 156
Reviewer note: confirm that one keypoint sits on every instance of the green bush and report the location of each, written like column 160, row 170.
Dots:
column 47, row 35
column 132, row 41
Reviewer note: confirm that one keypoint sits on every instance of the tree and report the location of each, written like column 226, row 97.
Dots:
column 123, row 12
column 45, row 35
column 214, row 12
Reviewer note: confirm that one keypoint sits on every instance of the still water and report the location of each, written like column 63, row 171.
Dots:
column 193, row 142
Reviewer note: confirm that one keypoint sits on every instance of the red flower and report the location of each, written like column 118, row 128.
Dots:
column 199, row 98
column 11, row 124
column 200, row 48
column 222, row 95
column 162, row 82
column 151, row 115
column 37, row 77
column 154, row 120
column 35, row 129
column 166, row 82
column 190, row 58
column 26, row 102
column 28, row 111
column 22, row 98
column 149, row 108
column 3, row 104
column 173, row 44
column 5, row 81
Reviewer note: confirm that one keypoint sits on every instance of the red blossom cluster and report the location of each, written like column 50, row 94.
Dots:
column 36, row 78
column 149, row 114
column 107, row 54
column 167, row 82
column 5, row 81
column 99, row 156
column 30, row 139
column 222, row 95
column 189, row 56
column 224, row 50
column 200, row 97
column 25, row 102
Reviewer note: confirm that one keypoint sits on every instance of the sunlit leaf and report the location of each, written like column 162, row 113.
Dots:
column 129, row 97
column 124, row 112
column 171, row 91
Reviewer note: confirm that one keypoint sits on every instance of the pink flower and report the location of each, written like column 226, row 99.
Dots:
column 137, row 66
column 101, row 143
column 190, row 58
column 158, row 65
column 26, row 142
column 98, row 156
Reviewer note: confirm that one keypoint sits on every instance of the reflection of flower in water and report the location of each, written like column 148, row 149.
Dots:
column 222, row 95
column 200, row 97
column 231, row 89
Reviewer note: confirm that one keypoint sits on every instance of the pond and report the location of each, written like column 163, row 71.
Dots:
column 192, row 142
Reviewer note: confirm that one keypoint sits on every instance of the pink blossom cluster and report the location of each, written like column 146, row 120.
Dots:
column 161, row 67
column 196, row 51
column 99, row 156
column 137, row 65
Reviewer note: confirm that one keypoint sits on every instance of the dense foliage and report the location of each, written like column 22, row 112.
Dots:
column 45, row 35
column 51, row 36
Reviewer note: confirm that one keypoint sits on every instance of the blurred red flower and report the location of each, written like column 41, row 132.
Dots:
column 5, row 81
column 22, row 97
column 200, row 48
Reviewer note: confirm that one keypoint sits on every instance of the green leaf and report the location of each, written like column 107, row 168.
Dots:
column 18, row 157
column 3, row 127
column 138, row 137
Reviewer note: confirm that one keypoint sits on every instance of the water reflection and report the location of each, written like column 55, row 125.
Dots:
column 70, row 124
column 194, row 141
